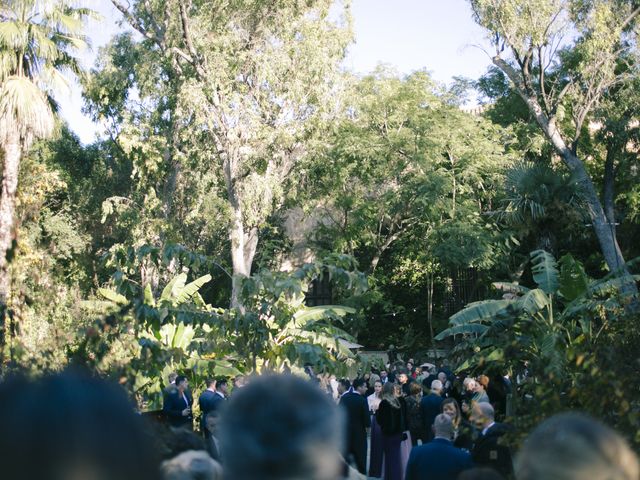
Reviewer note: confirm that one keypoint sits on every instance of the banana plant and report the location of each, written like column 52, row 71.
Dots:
column 537, row 322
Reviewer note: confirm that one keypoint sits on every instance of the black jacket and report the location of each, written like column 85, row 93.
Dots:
column 489, row 451
column 356, row 408
column 392, row 420
column 431, row 407
column 173, row 406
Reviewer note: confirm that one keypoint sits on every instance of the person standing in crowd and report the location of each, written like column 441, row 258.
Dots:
column 414, row 413
column 384, row 377
column 375, row 454
column 446, row 384
column 571, row 446
column 438, row 459
column 358, row 421
column 177, row 405
column 430, row 405
column 279, row 427
column 207, row 401
column 405, row 381
column 462, row 429
column 487, row 450
column 392, row 424
column 480, row 393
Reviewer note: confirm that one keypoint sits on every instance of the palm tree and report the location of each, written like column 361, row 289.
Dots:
column 38, row 39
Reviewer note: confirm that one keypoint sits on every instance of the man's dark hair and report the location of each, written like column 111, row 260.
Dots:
column 345, row 383
column 210, row 381
column 180, row 379
column 69, row 425
column 358, row 382
column 280, row 427
column 221, row 381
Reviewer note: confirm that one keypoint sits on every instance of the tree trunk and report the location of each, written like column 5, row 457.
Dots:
column 602, row 226
column 12, row 153
column 608, row 190
column 243, row 250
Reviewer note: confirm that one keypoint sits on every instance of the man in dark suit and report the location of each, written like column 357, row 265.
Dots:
column 487, row 450
column 438, row 459
column 207, row 402
column 431, row 407
column 358, row 421
column 177, row 405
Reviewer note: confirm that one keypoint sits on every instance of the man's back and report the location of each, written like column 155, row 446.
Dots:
column 437, row 460
column 430, row 406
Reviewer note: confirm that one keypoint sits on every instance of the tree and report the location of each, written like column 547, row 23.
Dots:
column 37, row 42
column 255, row 77
column 562, row 80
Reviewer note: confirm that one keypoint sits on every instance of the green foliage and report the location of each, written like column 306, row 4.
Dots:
column 178, row 331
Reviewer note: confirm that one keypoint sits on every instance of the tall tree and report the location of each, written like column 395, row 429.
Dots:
column 562, row 57
column 37, row 43
column 255, row 76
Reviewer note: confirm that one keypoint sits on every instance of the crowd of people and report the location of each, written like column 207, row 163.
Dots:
column 275, row 427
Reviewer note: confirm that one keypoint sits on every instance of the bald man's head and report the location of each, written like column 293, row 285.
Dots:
column 482, row 414
column 443, row 426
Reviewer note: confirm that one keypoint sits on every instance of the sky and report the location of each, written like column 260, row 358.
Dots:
column 408, row 35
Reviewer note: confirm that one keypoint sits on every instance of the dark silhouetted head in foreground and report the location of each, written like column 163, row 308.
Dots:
column 71, row 427
column 280, row 427
column 575, row 447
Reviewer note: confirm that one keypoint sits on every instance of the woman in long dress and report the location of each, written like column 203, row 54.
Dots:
column 391, row 420
column 375, row 457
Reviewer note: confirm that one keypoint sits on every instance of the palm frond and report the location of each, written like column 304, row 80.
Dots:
column 545, row 271
column 24, row 108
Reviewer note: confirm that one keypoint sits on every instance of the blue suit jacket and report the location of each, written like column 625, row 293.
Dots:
column 430, row 407
column 437, row 460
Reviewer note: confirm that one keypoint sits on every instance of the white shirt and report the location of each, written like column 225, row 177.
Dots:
column 486, row 429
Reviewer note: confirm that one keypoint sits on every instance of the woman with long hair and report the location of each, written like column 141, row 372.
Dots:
column 390, row 417
column 462, row 429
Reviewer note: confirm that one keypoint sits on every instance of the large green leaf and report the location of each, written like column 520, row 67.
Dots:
column 312, row 314
column 534, row 301
column 603, row 287
column 185, row 293
column 475, row 328
column 545, row 271
column 574, row 282
column 510, row 287
column 174, row 284
column 115, row 297
column 479, row 311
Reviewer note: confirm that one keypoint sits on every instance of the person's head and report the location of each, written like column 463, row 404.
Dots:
column 418, row 370
column 71, row 425
column 343, row 385
column 181, row 383
column 221, row 385
column 191, row 465
column 280, row 427
column 239, row 381
column 442, row 377
column 377, row 388
column 383, row 374
column 469, row 384
column 410, row 365
column 389, row 394
column 571, row 446
column 482, row 415
column 211, row 383
column 403, row 377
column 397, row 389
column 415, row 389
column 360, row 385
column 450, row 407
column 482, row 382
column 172, row 377
column 436, row 387
column 443, row 427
